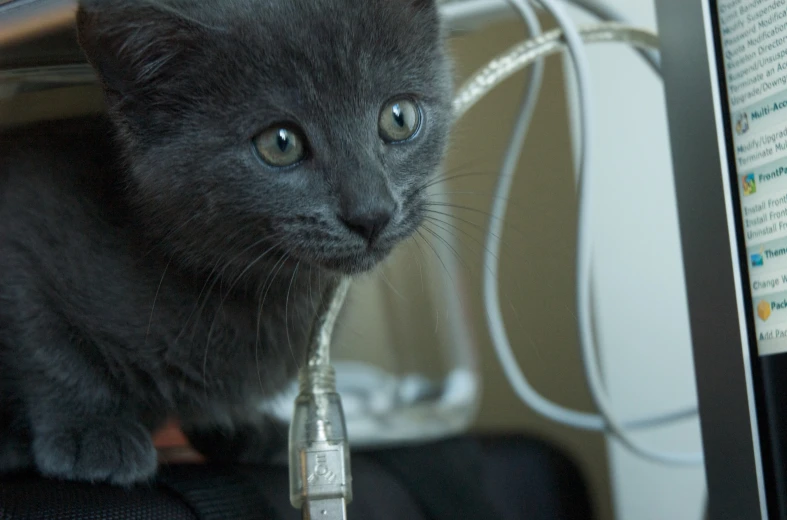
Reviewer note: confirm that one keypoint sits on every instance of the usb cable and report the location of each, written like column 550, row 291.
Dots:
column 320, row 477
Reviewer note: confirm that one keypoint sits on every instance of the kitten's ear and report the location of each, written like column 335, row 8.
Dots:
column 133, row 43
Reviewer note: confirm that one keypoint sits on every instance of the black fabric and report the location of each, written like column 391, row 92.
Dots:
column 496, row 477
column 446, row 479
column 533, row 480
column 378, row 494
column 488, row 478
column 217, row 492
column 30, row 497
column 500, row 478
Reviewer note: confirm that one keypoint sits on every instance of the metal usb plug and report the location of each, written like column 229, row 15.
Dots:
column 320, row 478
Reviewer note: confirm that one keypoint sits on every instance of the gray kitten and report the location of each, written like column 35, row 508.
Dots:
column 164, row 260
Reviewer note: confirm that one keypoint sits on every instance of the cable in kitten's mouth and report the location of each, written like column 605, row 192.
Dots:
column 357, row 263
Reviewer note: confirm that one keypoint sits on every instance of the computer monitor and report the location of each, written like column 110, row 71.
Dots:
column 725, row 73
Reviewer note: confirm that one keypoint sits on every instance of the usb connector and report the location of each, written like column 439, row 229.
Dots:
column 320, row 478
column 327, row 509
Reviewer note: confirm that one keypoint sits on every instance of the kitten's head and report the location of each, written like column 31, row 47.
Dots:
column 308, row 127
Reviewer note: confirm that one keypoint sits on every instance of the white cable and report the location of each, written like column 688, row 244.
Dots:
column 585, row 252
column 607, row 420
column 605, row 12
column 494, row 315
column 473, row 14
column 475, row 88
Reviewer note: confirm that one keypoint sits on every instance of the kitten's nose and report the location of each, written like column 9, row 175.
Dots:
column 368, row 223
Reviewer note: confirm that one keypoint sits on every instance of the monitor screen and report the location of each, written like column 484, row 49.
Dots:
column 751, row 44
column 754, row 46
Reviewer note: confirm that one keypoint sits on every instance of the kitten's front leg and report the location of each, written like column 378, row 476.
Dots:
column 83, row 430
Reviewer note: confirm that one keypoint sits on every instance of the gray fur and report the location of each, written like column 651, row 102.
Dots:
column 152, row 266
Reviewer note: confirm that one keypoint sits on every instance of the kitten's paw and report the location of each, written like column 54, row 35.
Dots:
column 245, row 444
column 118, row 452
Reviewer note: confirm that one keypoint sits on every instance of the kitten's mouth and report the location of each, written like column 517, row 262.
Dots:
column 358, row 263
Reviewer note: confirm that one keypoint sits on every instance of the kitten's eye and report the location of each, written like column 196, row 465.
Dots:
column 280, row 146
column 400, row 119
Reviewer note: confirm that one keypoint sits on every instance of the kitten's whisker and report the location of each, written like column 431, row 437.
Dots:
column 197, row 306
column 458, row 168
column 457, row 255
column 437, row 309
column 216, row 276
column 463, row 220
column 201, row 306
column 390, row 285
column 263, row 294
column 319, row 283
column 169, row 234
column 286, row 314
column 463, row 192
column 473, row 210
column 447, row 244
column 311, row 294
column 440, row 180
column 246, row 270
column 466, row 233
column 511, row 203
column 440, row 223
column 268, row 283
column 257, row 342
column 224, row 298
column 457, row 172
column 250, row 265
column 418, row 261
column 272, row 277
column 436, row 254
column 505, row 292
column 155, row 297
column 482, row 262
column 314, row 301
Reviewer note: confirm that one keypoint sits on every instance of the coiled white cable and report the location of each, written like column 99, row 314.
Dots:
column 585, row 256
column 479, row 85
column 607, row 420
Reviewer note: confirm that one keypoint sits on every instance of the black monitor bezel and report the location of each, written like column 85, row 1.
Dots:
column 728, row 385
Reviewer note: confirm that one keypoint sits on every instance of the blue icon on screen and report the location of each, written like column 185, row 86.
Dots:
column 756, row 260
